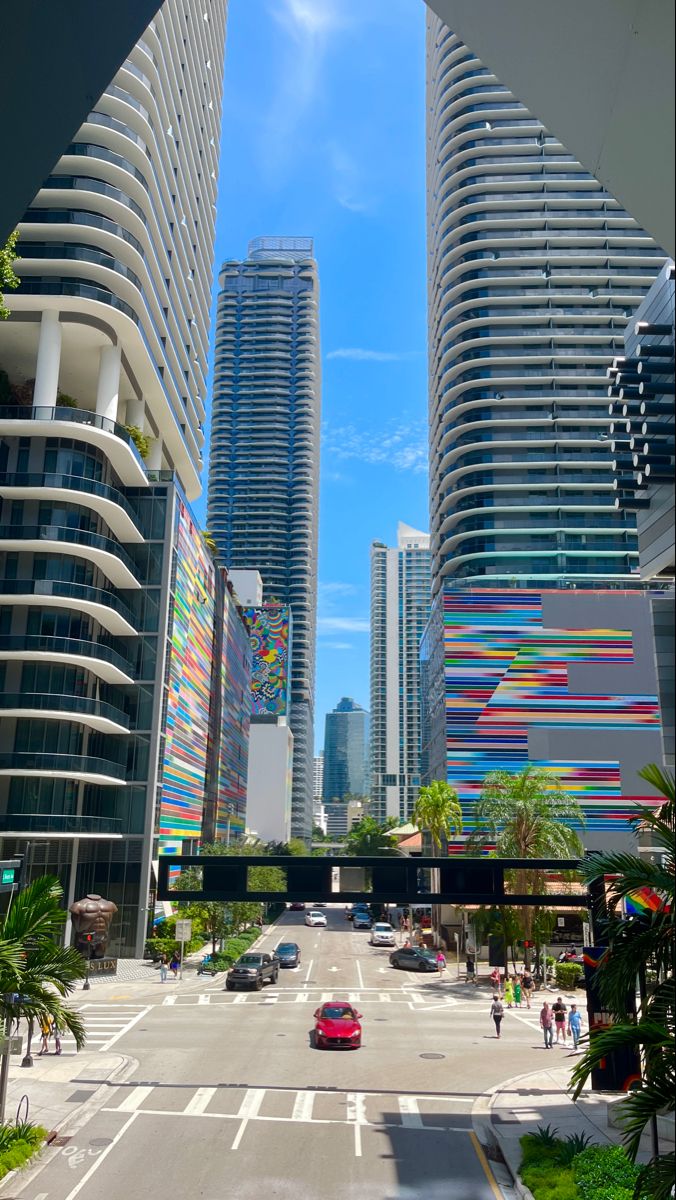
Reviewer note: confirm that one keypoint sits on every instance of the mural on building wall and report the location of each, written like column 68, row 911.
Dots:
column 507, row 675
column 188, row 682
column 233, row 762
column 270, row 648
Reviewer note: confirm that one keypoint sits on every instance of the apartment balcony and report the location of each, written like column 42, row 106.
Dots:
column 107, row 554
column 108, row 502
column 60, row 824
column 80, row 767
column 85, row 710
column 99, row 659
column 107, row 608
column 82, row 425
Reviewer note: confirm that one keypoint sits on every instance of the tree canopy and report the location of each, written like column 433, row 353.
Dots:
column 7, row 277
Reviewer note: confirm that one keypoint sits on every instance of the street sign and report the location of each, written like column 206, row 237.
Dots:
column 7, row 875
column 183, row 931
column 11, row 1045
column 586, row 933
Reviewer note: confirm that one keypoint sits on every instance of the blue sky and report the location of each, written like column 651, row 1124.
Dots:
column 323, row 136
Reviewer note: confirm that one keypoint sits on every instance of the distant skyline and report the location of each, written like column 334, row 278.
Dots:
column 324, row 137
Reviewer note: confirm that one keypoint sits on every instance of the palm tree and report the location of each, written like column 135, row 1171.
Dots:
column 526, row 815
column 437, row 810
column 368, row 836
column 641, row 943
column 210, row 542
column 45, row 972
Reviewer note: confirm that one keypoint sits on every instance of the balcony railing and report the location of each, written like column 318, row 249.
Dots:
column 65, row 703
column 63, row 533
column 31, row 643
column 48, row 763
column 67, row 590
column 70, row 483
column 60, row 823
column 76, row 416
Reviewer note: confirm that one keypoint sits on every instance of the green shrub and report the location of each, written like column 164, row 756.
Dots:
column 574, row 1144
column 550, row 1181
column 139, row 439
column 63, row 400
column 605, row 1173
column 568, row 975
column 18, row 1143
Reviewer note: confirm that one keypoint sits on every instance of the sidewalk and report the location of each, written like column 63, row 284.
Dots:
column 51, row 1102
column 519, row 1105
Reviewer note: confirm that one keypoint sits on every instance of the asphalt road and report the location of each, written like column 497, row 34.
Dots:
column 231, row 1099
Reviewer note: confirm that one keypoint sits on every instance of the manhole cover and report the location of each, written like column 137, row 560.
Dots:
column 431, row 1056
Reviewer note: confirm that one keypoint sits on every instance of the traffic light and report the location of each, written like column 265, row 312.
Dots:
column 528, row 945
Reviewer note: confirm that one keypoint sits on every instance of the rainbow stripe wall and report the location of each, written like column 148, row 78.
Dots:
column 188, row 682
column 563, row 680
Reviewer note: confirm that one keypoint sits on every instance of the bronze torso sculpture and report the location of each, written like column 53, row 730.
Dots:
column 92, row 916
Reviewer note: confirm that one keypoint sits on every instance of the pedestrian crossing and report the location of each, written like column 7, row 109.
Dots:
column 314, row 996
column 105, row 1024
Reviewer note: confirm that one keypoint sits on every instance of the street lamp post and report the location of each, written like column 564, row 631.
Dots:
column 86, row 985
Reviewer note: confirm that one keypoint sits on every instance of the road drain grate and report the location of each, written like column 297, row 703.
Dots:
column 431, row 1056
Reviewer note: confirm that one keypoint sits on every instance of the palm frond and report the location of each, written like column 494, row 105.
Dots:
column 662, row 781
column 656, row 1178
column 36, row 912
column 620, row 1036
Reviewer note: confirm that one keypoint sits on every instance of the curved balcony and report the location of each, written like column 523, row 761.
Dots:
column 86, row 710
column 101, row 660
column 107, row 608
column 81, row 767
column 75, row 825
column 108, row 555
column 82, row 425
column 108, row 502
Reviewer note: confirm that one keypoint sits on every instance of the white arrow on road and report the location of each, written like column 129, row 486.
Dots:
column 334, row 968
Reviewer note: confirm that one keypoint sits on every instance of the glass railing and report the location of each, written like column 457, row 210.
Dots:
column 70, row 483
column 67, row 590
column 30, row 643
column 60, row 823
column 44, row 760
column 48, row 702
column 62, row 533
column 73, row 416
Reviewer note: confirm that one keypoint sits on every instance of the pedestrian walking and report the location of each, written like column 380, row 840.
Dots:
column 517, row 991
column 163, row 968
column 547, row 1024
column 575, row 1024
column 174, row 964
column 57, row 1038
column 46, row 1032
column 441, row 962
column 508, row 993
column 497, row 1013
column 495, row 979
column 527, row 985
column 559, row 1009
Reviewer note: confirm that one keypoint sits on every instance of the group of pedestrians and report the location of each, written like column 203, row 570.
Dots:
column 554, row 1018
column 173, row 966
column 49, row 1029
column 515, row 989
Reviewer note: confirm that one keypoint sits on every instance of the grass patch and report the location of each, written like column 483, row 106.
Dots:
column 564, row 1169
column 18, row 1143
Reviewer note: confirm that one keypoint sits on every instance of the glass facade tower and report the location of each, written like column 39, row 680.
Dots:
column 264, row 467
column 400, row 609
column 533, row 271
column 346, row 752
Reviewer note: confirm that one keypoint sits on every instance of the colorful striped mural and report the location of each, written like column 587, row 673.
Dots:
column 506, row 674
column 188, row 682
column 235, row 718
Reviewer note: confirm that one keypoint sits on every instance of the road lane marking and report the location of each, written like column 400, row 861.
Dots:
column 126, row 1028
column 385, row 997
column 168, row 1000
column 199, row 1101
column 410, row 1113
column 248, row 1110
column 357, row 1141
column 240, row 998
column 354, row 998
column 103, row 1155
column 135, row 1097
column 203, row 998
column 479, row 1151
column 359, row 974
column 301, row 997
column 302, row 1106
column 309, row 970
column 356, row 1108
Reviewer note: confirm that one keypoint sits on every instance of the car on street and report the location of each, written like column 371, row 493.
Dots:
column 362, row 919
column 382, row 934
column 337, row 1026
column 252, row 970
column 297, row 906
column 288, row 954
column 414, row 958
column 353, row 909
column 314, row 917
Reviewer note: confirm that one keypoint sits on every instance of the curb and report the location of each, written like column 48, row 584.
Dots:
column 73, row 1122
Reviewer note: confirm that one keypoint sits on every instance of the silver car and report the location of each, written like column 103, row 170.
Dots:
column 382, row 934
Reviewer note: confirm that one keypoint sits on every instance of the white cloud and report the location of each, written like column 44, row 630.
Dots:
column 335, row 589
column 357, row 354
column 337, row 646
column 343, row 625
column 402, row 446
column 349, row 187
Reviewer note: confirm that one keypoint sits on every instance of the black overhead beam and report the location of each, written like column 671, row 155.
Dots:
column 393, row 880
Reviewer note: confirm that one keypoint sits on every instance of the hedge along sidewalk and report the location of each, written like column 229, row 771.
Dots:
column 520, row 1104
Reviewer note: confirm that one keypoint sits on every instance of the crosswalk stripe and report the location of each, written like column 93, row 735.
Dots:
column 200, row 1101
column 251, row 1103
column 410, row 1113
column 302, row 1106
column 136, row 1097
column 168, row 1000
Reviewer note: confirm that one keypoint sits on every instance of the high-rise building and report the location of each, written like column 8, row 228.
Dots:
column 264, row 464
column 400, row 609
column 318, row 784
column 346, row 751
column 107, row 589
column 533, row 271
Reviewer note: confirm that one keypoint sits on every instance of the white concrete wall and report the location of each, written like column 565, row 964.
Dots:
column 268, row 795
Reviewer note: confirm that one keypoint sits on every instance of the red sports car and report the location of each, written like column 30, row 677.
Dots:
column 337, row 1024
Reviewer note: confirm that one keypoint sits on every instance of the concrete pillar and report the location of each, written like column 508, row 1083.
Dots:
column 135, row 413
column 108, row 389
column 49, row 359
column 154, row 459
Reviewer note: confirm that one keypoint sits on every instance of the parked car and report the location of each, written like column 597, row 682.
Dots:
column 362, row 919
column 382, row 934
column 314, row 917
column 252, row 970
column 413, row 958
column 288, row 954
column 337, row 1026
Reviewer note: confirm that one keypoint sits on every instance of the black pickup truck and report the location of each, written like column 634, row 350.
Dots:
column 252, row 970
